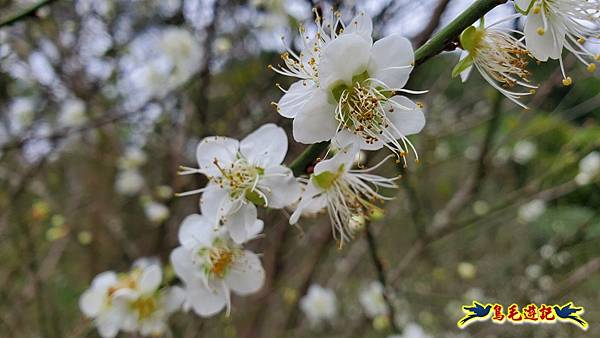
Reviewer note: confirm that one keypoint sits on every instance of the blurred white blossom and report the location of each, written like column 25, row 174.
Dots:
column 156, row 212
column 319, row 304
column 524, row 151
column 412, row 330
column 129, row 182
column 589, row 167
column 372, row 300
column 132, row 302
column 532, row 210
column 73, row 113
column 21, row 114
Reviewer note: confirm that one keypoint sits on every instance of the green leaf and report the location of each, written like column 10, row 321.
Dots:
column 462, row 65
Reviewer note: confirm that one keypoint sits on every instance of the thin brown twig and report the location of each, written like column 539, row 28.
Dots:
column 381, row 274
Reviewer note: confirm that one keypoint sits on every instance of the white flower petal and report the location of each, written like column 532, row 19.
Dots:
column 362, row 25
column 317, row 122
column 205, row 302
column 390, row 58
column 105, row 280
column 548, row 45
column 310, row 193
column 344, row 157
column 282, row 187
column 295, row 98
column 109, row 323
column 150, row 279
column 222, row 149
column 255, row 229
column 265, row 146
column 345, row 137
column 92, row 301
column 240, row 223
column 196, row 230
column 342, row 58
column 246, row 275
column 184, row 266
column 174, row 298
column 215, row 203
column 407, row 122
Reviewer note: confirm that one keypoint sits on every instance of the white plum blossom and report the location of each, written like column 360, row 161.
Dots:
column 157, row 63
column 348, row 87
column 524, row 151
column 132, row 302
column 466, row 270
column 184, row 52
column 532, row 210
column 156, row 212
column 372, row 300
column 212, row 266
column 556, row 24
column 73, row 113
column 589, row 167
column 133, row 158
column 243, row 175
column 319, row 304
column 500, row 58
column 21, row 113
column 349, row 195
column 129, row 182
column 412, row 330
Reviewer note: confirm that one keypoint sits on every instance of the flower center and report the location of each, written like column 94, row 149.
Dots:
column 240, row 178
column 504, row 57
column 360, row 109
column 144, row 306
column 365, row 107
column 219, row 259
column 128, row 281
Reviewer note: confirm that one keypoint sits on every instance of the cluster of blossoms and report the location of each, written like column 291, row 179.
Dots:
column 133, row 302
column 356, row 104
column 501, row 55
column 321, row 307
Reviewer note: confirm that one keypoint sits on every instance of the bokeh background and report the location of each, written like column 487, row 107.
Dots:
column 102, row 100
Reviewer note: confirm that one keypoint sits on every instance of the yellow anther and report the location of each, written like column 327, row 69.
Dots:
column 591, row 67
column 567, row 82
column 581, row 40
column 536, row 10
column 541, row 31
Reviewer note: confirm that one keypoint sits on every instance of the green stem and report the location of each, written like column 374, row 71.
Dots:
column 445, row 37
column 437, row 44
column 307, row 157
column 27, row 12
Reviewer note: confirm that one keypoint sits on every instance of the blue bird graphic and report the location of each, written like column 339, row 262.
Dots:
column 569, row 313
column 476, row 311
